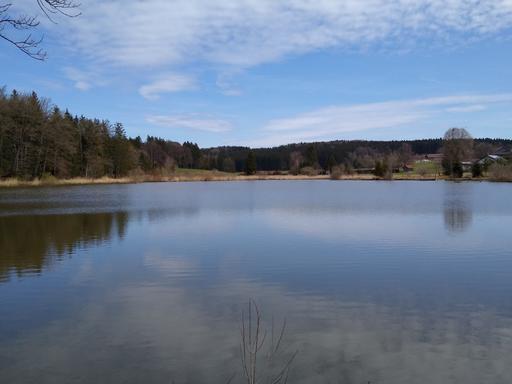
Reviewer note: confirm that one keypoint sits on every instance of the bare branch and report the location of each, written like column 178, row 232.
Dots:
column 51, row 7
column 29, row 46
column 253, row 340
column 231, row 378
column 9, row 24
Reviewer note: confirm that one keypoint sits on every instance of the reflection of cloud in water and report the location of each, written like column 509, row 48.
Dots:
column 169, row 265
column 200, row 223
column 336, row 226
column 386, row 231
column 373, row 287
column 161, row 333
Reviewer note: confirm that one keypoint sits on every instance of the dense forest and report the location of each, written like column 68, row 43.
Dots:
column 38, row 139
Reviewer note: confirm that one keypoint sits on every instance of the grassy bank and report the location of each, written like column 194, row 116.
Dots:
column 181, row 175
column 189, row 175
column 14, row 183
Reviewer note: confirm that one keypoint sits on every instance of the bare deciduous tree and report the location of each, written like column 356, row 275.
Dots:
column 296, row 160
column 457, row 134
column 457, row 147
column 12, row 26
column 405, row 154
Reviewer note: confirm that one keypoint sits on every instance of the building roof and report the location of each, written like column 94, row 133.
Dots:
column 436, row 157
column 503, row 151
column 490, row 158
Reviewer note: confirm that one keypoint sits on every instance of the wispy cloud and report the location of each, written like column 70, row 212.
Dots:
column 247, row 33
column 166, row 84
column 80, row 79
column 226, row 84
column 330, row 122
column 469, row 108
column 206, row 124
column 83, row 80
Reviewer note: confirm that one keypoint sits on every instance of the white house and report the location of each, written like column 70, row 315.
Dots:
column 490, row 159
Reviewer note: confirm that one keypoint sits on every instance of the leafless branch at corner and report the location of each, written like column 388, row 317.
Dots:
column 12, row 25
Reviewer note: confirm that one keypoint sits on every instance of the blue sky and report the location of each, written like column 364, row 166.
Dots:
column 264, row 73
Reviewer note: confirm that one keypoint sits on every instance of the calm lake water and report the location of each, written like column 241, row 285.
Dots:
column 381, row 282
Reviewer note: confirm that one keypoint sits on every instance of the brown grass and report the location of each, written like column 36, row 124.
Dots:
column 13, row 182
column 191, row 175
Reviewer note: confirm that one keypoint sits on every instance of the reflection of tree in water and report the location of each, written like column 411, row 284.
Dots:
column 31, row 243
column 458, row 213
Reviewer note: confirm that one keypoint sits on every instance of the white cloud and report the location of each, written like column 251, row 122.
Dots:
column 469, row 108
column 80, row 79
column 193, row 122
column 225, row 84
column 82, row 85
column 245, row 33
column 166, row 84
column 330, row 122
column 84, row 80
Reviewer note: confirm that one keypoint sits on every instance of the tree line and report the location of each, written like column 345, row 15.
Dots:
column 39, row 139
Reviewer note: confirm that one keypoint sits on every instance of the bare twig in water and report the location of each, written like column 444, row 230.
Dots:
column 259, row 367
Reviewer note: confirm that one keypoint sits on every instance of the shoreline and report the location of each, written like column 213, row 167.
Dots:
column 218, row 176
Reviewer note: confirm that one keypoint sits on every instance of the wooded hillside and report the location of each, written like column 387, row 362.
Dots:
column 38, row 139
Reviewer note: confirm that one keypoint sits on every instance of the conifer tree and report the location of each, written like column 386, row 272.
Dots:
column 250, row 164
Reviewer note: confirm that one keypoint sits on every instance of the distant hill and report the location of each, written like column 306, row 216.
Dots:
column 339, row 151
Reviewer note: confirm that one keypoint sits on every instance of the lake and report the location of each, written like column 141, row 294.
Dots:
column 381, row 282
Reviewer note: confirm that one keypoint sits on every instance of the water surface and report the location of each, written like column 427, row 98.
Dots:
column 387, row 282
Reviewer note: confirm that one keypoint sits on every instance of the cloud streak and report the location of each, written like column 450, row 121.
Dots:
column 331, row 122
column 167, row 84
column 193, row 122
column 469, row 108
column 83, row 80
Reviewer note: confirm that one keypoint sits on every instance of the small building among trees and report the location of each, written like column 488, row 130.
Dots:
column 504, row 152
column 491, row 159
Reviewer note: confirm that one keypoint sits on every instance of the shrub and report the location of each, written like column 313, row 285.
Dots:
column 337, row 172
column 48, row 179
column 500, row 172
column 379, row 169
column 137, row 174
column 169, row 167
column 458, row 170
column 422, row 170
column 308, row 171
column 452, row 169
column 476, row 170
column 349, row 169
column 447, row 167
column 383, row 170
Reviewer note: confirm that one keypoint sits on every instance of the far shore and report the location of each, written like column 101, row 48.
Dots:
column 200, row 175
